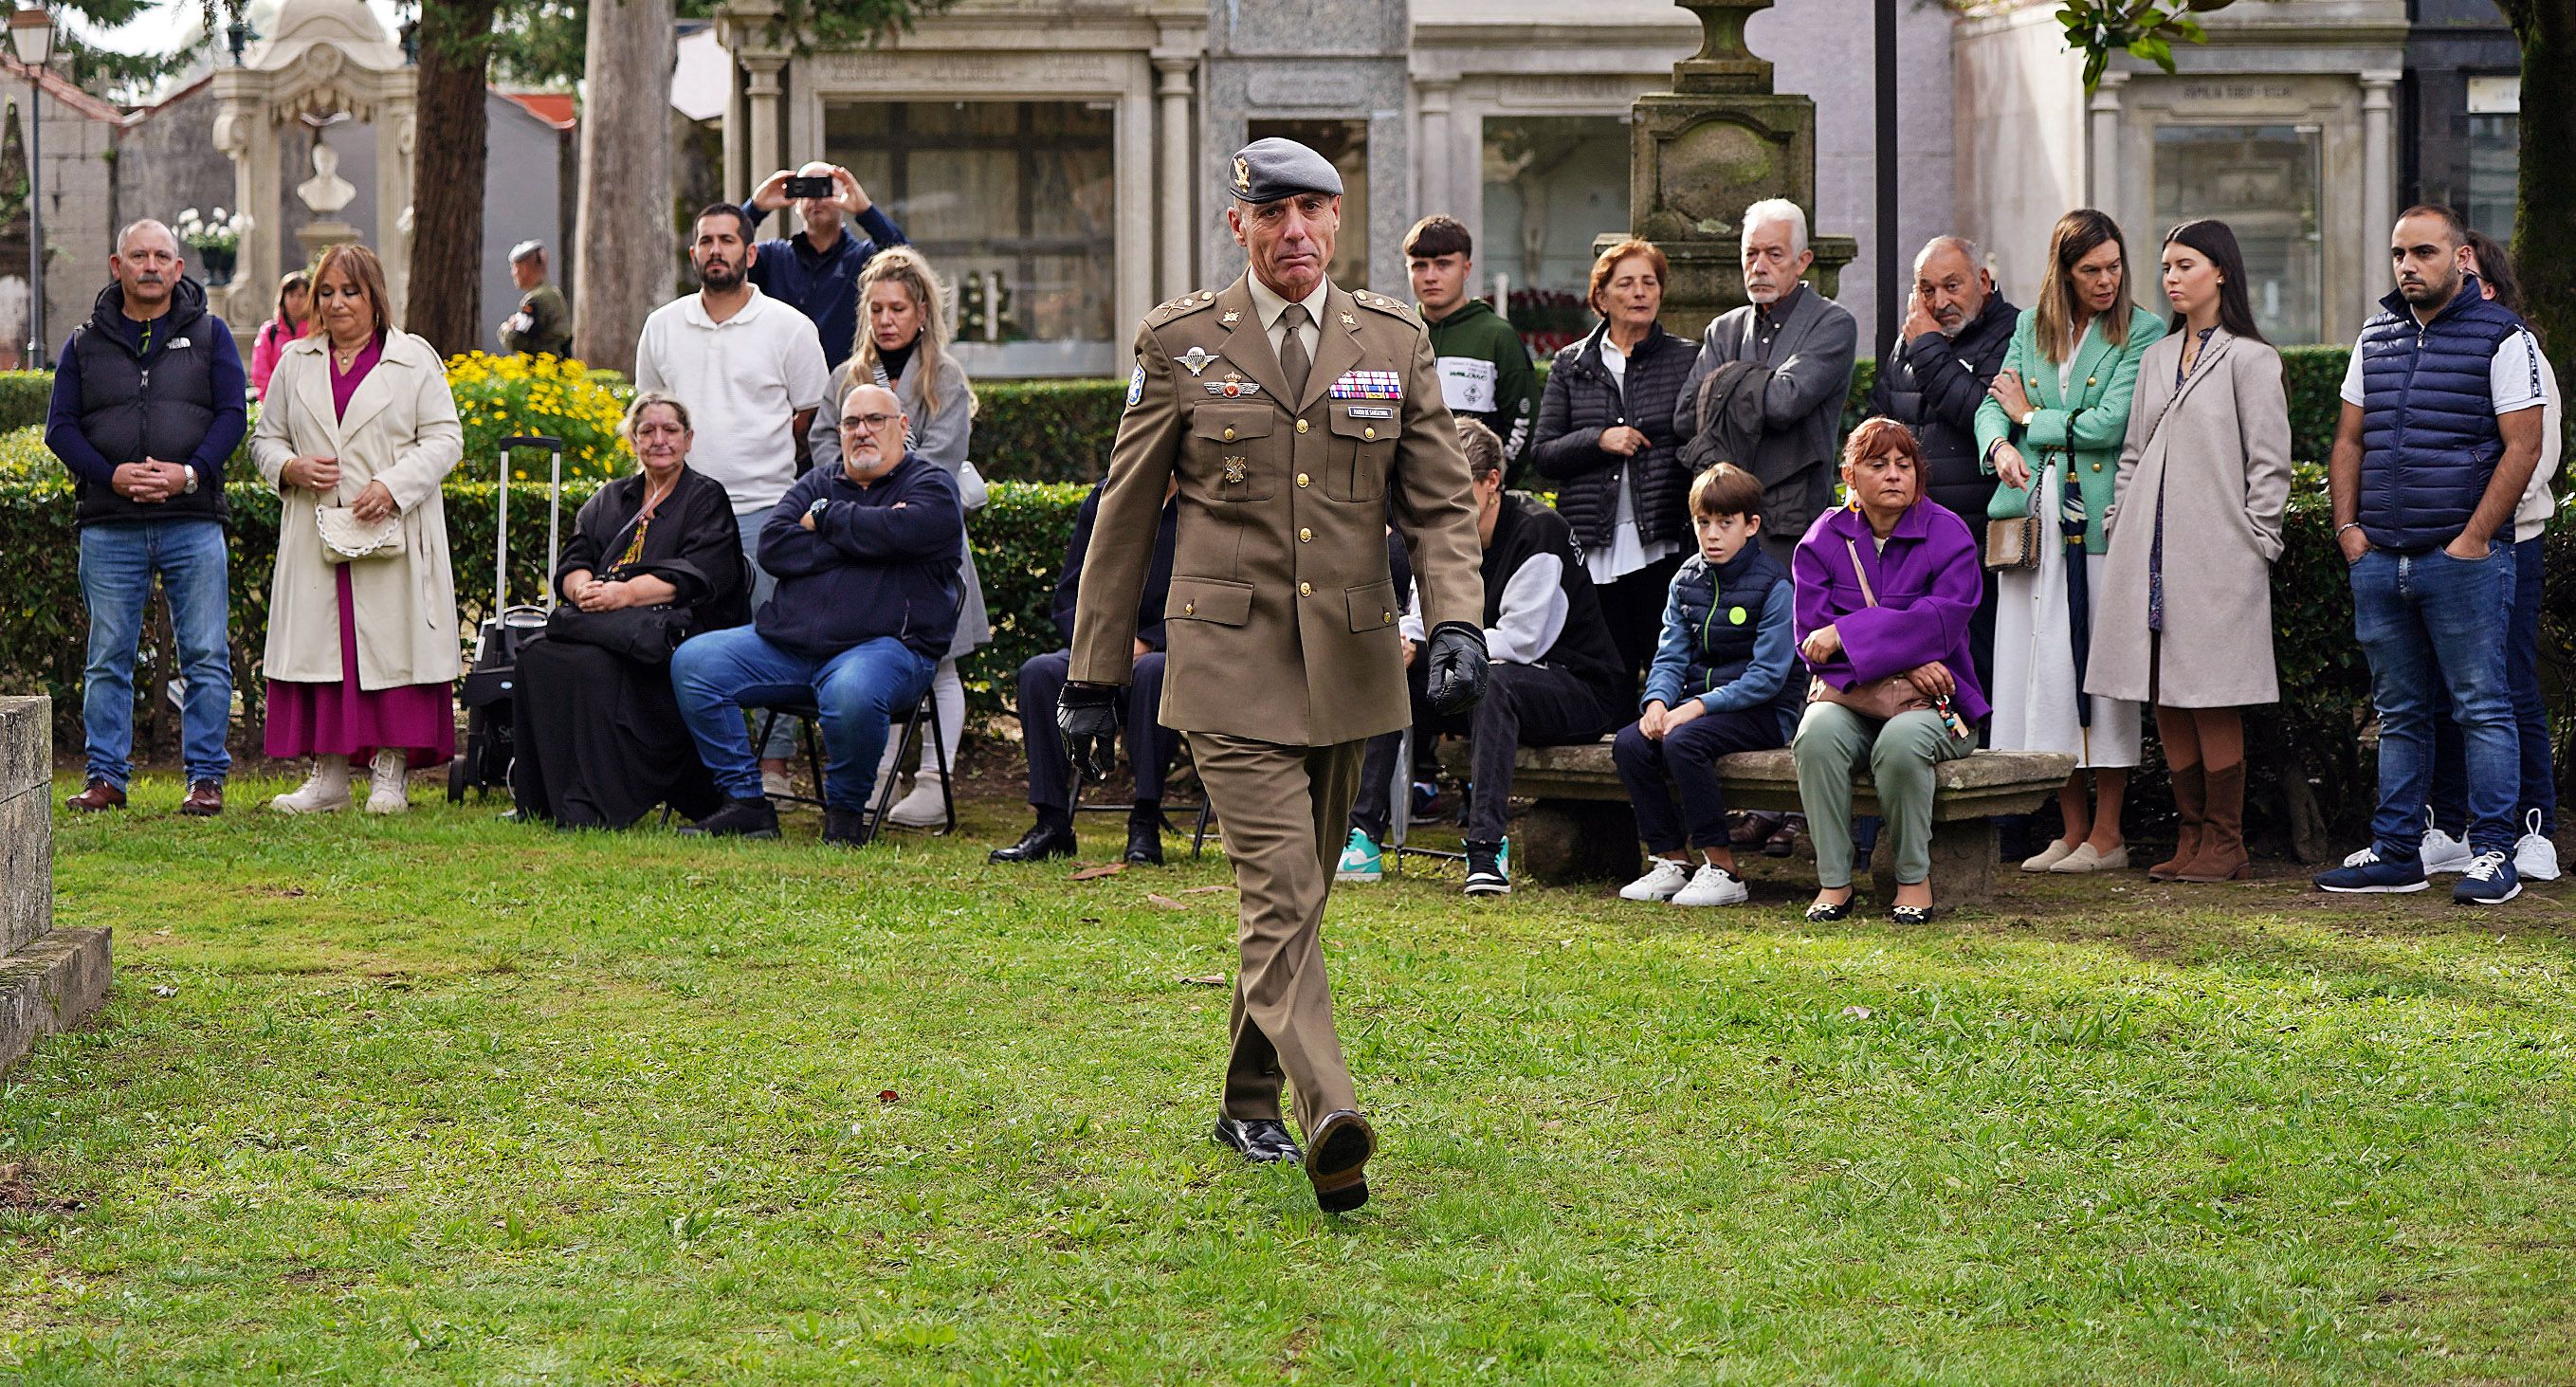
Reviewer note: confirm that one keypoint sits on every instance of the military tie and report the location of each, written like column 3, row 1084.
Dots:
column 1294, row 364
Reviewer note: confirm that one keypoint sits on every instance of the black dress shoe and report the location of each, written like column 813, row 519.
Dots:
column 1338, row 1162
column 739, row 818
column 1262, row 1140
column 1145, row 843
column 848, row 828
column 1042, row 841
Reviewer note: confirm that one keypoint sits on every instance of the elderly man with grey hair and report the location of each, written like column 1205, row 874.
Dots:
column 1934, row 377
column 147, row 408
column 1797, row 346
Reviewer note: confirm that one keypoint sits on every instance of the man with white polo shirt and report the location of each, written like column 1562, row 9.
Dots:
column 750, row 369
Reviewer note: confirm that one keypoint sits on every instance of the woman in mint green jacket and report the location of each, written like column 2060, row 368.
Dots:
column 2057, row 414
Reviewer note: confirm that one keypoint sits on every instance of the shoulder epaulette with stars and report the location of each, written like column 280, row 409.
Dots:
column 1181, row 307
column 1393, row 308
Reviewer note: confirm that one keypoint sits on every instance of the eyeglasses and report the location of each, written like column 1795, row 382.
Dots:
column 870, row 422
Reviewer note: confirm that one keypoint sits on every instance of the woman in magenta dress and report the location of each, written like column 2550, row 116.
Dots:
column 362, row 653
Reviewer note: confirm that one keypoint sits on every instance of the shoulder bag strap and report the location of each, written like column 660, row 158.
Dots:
column 1853, row 548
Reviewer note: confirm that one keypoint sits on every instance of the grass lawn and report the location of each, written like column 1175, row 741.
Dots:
column 447, row 1099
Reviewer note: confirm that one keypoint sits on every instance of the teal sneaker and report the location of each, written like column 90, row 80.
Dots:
column 1489, row 868
column 1361, row 861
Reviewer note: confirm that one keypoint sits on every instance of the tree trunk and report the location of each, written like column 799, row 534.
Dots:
column 2544, row 236
column 452, row 151
column 623, row 240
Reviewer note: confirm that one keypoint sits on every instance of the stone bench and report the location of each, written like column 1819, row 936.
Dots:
column 1581, row 827
column 49, row 978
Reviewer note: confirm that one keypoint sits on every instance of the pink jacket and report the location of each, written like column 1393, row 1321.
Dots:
column 272, row 339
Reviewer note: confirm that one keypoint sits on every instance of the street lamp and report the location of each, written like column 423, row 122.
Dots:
column 31, row 36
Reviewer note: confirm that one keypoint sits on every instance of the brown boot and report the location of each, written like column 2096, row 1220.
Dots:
column 2222, row 840
column 2191, row 799
column 99, row 796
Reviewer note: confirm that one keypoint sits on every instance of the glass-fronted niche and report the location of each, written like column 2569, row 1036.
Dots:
column 1014, row 203
column 2263, row 181
column 2495, row 154
column 1552, row 183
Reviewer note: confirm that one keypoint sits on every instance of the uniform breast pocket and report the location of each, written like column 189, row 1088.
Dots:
column 1231, row 455
column 1363, row 448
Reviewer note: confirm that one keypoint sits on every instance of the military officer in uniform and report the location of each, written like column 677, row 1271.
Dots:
column 1298, row 417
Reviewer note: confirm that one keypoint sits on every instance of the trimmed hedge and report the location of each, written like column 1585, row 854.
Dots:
column 24, row 398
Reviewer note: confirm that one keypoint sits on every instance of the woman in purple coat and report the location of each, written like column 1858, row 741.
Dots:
column 1886, row 587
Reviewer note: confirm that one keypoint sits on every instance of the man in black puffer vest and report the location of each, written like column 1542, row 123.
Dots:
column 147, row 407
column 1556, row 676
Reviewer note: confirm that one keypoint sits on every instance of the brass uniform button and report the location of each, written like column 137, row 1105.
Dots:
column 2088, row 380
column 1301, row 426
column 1301, row 479
column 1229, row 433
column 1305, row 589
column 1305, row 536
column 1189, row 609
column 1386, row 617
column 1369, row 432
column 2097, row 467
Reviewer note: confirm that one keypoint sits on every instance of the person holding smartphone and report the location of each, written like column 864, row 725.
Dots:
column 816, row 271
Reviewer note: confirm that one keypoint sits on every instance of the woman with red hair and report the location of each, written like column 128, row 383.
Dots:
column 1886, row 588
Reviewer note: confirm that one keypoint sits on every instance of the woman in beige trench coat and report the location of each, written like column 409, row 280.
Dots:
column 2185, row 620
column 362, row 655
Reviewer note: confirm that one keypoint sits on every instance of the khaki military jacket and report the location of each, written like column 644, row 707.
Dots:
column 1281, row 625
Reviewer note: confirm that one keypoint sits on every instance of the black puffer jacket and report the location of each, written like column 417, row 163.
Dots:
column 1933, row 385
column 1582, row 402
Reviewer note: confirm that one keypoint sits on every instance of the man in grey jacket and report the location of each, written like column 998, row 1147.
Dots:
column 1806, row 342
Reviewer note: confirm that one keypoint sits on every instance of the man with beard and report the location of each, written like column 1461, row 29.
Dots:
column 1956, row 329
column 751, row 371
column 147, row 406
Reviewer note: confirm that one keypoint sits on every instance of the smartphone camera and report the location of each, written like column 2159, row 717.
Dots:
column 820, row 185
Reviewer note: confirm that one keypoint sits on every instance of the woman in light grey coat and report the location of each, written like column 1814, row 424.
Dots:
column 902, row 346
column 2186, row 617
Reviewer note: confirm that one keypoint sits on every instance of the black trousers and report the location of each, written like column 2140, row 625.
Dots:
column 1149, row 744
column 1524, row 705
column 1633, row 609
column 1374, row 811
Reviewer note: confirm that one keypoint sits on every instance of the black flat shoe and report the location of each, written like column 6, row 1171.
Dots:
column 1822, row 914
column 1338, row 1163
column 739, row 818
column 1910, row 914
column 1041, row 842
column 847, row 828
column 1145, row 844
column 1260, row 1140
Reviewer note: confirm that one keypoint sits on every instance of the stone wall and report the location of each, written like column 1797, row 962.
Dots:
column 49, row 978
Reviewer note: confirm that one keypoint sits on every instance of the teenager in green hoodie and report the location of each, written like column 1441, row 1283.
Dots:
column 1485, row 370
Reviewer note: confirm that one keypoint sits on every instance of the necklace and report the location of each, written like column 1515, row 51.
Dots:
column 342, row 358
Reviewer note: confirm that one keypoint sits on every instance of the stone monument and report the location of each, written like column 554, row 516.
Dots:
column 1719, row 141
column 49, row 978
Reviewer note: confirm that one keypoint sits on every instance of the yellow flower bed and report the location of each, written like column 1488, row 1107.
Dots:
column 501, row 396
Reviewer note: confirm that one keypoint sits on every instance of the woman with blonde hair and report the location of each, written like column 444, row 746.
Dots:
column 358, row 432
column 2051, row 430
column 903, row 345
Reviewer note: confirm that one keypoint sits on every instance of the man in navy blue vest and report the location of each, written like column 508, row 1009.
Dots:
column 2441, row 427
column 147, row 406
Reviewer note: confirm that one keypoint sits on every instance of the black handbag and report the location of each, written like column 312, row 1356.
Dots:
column 646, row 635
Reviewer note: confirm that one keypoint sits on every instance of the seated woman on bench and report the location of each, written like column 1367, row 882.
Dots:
column 1885, row 590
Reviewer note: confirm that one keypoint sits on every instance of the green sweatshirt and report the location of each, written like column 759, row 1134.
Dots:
column 1485, row 373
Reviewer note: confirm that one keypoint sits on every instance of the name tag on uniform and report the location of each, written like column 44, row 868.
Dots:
column 1468, row 385
column 1370, row 412
column 1368, row 385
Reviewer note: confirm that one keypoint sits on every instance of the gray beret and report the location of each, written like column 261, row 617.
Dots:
column 1268, row 170
column 524, row 249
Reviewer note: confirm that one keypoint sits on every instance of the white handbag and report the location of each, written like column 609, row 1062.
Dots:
column 346, row 538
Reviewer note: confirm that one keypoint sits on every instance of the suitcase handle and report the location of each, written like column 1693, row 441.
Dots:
column 554, row 492
column 547, row 442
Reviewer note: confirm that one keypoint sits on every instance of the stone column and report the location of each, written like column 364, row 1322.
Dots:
column 763, row 153
column 1178, row 174
column 2378, row 182
column 2102, row 190
column 244, row 133
column 396, row 133
column 1438, row 155
column 49, row 978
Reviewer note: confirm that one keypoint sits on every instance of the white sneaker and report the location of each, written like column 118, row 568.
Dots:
column 2444, row 853
column 326, row 791
column 923, row 807
column 1662, row 881
column 2535, row 858
column 1713, row 885
column 387, row 792
column 776, row 784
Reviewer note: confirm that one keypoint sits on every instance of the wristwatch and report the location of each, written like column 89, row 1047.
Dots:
column 2026, row 416
column 815, row 511
column 191, row 488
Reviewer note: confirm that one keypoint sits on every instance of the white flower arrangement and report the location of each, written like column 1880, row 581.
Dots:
column 222, row 233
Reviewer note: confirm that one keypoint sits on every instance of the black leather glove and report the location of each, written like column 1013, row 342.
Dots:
column 1087, row 714
column 1454, row 681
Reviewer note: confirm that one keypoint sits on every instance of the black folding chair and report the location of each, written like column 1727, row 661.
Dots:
column 907, row 731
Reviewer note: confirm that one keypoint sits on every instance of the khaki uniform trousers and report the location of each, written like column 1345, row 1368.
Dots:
column 1282, row 811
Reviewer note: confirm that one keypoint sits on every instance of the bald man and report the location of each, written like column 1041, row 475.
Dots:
column 817, row 270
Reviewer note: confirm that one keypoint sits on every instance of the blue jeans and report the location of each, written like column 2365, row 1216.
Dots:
column 2432, row 624
column 118, row 559
column 719, row 674
column 782, row 734
column 2530, row 715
